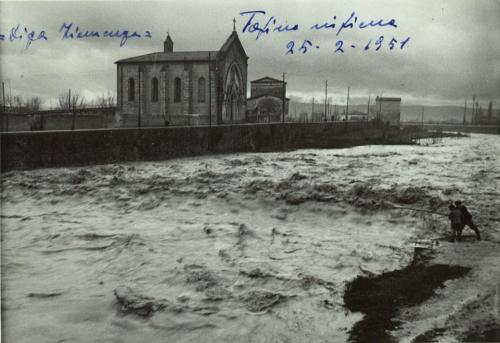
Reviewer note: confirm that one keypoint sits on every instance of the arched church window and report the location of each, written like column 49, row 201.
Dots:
column 131, row 89
column 201, row 89
column 154, row 90
column 177, row 89
column 232, row 109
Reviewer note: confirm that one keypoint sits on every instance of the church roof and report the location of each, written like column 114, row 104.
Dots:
column 267, row 95
column 266, row 79
column 180, row 56
column 176, row 56
column 233, row 37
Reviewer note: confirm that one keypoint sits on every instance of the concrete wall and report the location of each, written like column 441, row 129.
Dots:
column 490, row 129
column 29, row 150
column 59, row 121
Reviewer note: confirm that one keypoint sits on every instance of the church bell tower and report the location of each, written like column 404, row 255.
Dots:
column 168, row 44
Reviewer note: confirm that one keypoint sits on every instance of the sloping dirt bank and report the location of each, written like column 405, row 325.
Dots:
column 450, row 293
column 380, row 298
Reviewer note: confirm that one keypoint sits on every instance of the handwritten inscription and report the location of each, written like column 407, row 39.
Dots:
column 253, row 25
column 352, row 22
column 260, row 24
column 340, row 46
column 70, row 31
column 30, row 36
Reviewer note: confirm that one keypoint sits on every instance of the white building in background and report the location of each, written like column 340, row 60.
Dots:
column 388, row 110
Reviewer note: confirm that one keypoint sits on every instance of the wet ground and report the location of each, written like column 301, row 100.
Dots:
column 246, row 247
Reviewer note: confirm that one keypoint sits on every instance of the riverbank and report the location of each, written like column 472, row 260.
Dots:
column 486, row 129
column 466, row 308
column 450, row 295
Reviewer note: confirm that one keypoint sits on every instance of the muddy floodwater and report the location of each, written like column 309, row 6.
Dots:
column 245, row 247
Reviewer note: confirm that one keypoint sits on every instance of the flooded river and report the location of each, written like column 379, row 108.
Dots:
column 241, row 247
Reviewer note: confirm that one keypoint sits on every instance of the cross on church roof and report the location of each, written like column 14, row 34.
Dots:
column 234, row 24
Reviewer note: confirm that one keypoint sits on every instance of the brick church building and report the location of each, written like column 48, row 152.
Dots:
column 183, row 87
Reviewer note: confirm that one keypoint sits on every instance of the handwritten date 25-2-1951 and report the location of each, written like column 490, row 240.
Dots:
column 306, row 46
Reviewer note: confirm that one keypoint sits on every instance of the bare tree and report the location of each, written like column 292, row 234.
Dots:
column 104, row 101
column 65, row 103
column 15, row 102
column 490, row 112
column 33, row 103
column 8, row 100
column 475, row 112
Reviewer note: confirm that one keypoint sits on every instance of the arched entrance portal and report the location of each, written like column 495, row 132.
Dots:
column 234, row 99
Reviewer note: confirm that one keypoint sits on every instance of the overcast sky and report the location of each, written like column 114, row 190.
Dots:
column 453, row 52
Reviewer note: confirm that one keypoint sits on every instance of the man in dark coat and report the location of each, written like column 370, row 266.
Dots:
column 467, row 219
column 457, row 225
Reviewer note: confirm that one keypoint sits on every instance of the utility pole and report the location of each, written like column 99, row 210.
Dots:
column 3, row 96
column 473, row 109
column 70, row 111
column 476, row 117
column 326, row 97
column 465, row 111
column 140, row 99
column 74, row 115
column 328, row 108
column 4, row 108
column 283, row 103
column 422, row 117
column 368, row 109
column 209, row 91
column 347, row 107
column 312, row 113
column 379, row 114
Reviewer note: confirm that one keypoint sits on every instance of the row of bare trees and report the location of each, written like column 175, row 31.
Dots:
column 75, row 101
column 18, row 104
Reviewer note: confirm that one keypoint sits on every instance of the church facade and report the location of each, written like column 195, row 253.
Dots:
column 183, row 87
column 268, row 102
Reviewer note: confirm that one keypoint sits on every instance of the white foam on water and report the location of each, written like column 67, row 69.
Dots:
column 241, row 247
